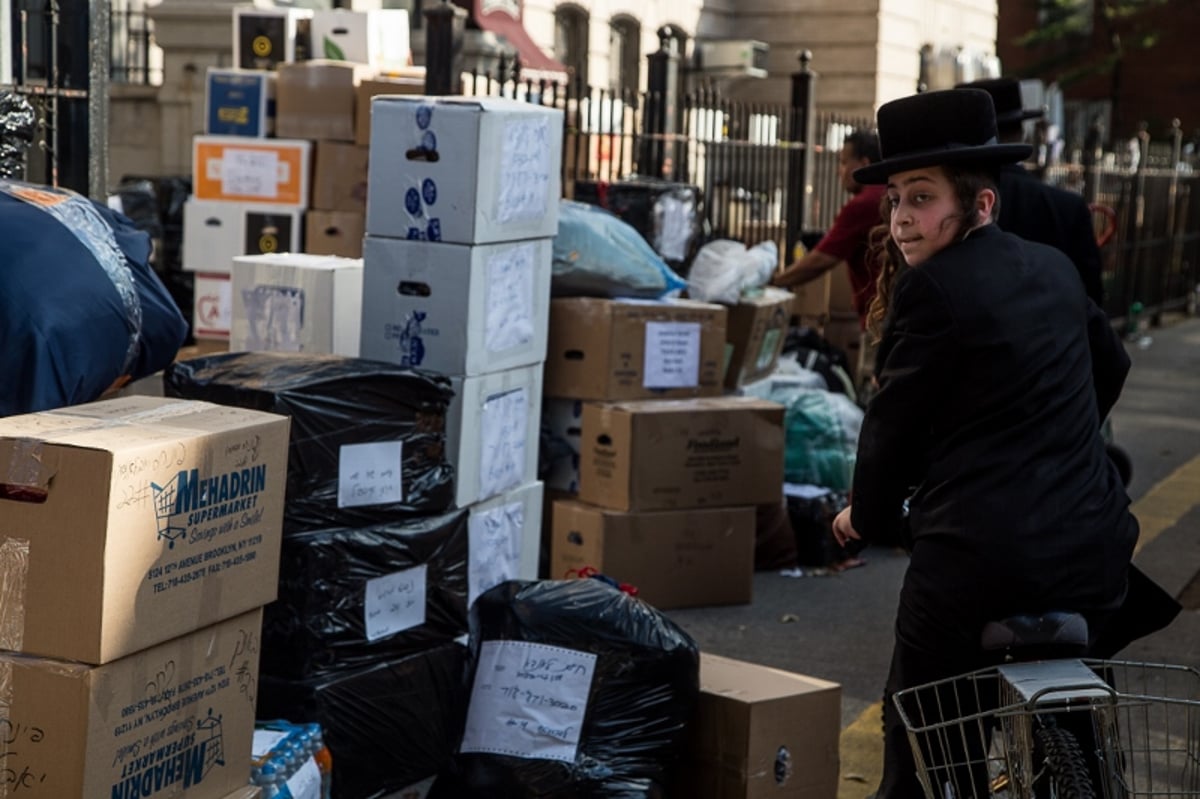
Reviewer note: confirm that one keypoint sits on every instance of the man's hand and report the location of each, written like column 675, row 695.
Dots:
column 843, row 530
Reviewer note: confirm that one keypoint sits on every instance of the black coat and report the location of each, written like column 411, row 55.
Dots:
column 1049, row 215
column 995, row 370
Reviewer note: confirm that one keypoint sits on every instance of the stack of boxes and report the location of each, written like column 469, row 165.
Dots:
column 282, row 165
column 827, row 305
column 668, row 470
column 140, row 541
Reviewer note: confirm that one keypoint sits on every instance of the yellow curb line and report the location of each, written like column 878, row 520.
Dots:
column 1166, row 503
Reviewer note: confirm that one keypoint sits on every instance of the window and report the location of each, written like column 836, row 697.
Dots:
column 625, row 55
column 571, row 40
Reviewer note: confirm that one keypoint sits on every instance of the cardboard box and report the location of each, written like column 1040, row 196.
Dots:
column 841, row 293
column 377, row 38
column 677, row 559
column 844, row 331
column 761, row 732
column 413, row 85
column 756, row 331
column 811, row 300
column 212, row 306
column 334, row 233
column 237, row 169
column 679, row 454
column 562, row 431
column 632, row 349
column 492, row 432
column 504, row 537
column 139, row 519
column 214, row 233
column 315, row 100
column 248, row 792
column 263, row 38
column 340, row 177
column 296, row 302
column 176, row 718
column 239, row 102
column 456, row 309
column 465, row 170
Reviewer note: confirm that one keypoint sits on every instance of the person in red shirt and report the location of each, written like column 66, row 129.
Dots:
column 847, row 239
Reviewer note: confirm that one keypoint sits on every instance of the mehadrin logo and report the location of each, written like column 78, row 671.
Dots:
column 204, row 499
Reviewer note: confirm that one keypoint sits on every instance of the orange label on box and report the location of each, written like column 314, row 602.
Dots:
column 250, row 171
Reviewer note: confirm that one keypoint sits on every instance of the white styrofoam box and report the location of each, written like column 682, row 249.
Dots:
column 562, row 421
column 504, row 537
column 295, row 302
column 492, row 430
column 379, row 38
column 214, row 233
column 466, row 170
column 263, row 37
column 454, row 308
column 212, row 306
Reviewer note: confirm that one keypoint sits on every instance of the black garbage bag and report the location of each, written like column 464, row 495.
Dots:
column 388, row 726
column 579, row 691
column 335, row 608
column 80, row 308
column 337, row 403
column 812, row 522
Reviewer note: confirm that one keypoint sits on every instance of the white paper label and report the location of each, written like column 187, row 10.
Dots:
column 250, row 173
column 503, row 424
column 510, row 299
column 306, row 782
column 674, row 228
column 369, row 474
column 672, row 355
column 524, row 170
column 395, row 603
column 265, row 741
column 529, row 700
column 495, row 547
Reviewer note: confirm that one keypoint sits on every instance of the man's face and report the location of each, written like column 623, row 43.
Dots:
column 848, row 161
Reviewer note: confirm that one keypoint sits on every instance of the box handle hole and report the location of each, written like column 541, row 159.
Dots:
column 422, row 154
column 411, row 288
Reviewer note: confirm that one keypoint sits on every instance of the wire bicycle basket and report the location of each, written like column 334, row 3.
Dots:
column 1086, row 728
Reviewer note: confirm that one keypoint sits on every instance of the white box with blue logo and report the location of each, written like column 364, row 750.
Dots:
column 464, row 170
column 175, row 720
column 128, row 522
column 239, row 102
column 456, row 309
column 492, row 429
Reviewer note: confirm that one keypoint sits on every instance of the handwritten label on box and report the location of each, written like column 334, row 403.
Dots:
column 264, row 741
column 529, row 700
column 306, row 782
column 494, row 547
column 395, row 603
column 672, row 355
column 250, row 173
column 370, row 474
column 524, row 170
column 503, row 425
column 509, row 317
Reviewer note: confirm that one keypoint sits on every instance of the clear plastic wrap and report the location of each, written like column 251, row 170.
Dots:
column 388, row 726
column 327, row 583
column 337, row 402
column 18, row 122
column 643, row 691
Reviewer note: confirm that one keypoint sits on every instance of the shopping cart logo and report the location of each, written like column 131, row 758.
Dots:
column 189, row 499
column 180, row 764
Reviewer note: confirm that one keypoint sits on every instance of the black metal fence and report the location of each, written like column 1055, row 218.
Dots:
column 132, row 47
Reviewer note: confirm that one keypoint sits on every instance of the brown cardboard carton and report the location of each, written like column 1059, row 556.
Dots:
column 368, row 89
column 340, row 177
column 812, row 298
column 315, row 99
column 841, row 293
column 334, row 233
column 761, row 732
column 175, row 720
column 632, row 349
column 844, row 331
column 128, row 522
column 679, row 454
column 248, row 792
column 756, row 332
column 677, row 559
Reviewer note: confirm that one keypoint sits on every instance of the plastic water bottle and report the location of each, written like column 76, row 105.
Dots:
column 269, row 781
column 324, row 760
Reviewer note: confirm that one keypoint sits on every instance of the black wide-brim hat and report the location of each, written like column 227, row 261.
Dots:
column 954, row 126
column 1006, row 97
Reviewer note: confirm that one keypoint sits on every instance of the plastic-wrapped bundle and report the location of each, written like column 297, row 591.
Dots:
column 337, row 406
column 669, row 215
column 579, row 690
column 334, row 613
column 388, row 726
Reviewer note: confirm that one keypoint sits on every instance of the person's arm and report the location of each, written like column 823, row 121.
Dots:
column 810, row 267
column 1110, row 362
column 1084, row 252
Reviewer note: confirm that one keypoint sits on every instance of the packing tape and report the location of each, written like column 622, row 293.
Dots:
column 14, row 569
column 24, row 467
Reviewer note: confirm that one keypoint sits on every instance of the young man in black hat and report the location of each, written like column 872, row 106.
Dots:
column 994, row 371
column 1032, row 209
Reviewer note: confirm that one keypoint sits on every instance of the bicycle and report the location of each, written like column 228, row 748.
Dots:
column 1062, row 727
